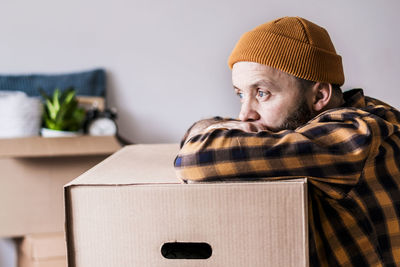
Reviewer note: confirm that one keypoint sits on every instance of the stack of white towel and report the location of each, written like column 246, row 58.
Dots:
column 20, row 115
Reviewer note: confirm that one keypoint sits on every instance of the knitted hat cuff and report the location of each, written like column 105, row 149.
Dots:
column 289, row 55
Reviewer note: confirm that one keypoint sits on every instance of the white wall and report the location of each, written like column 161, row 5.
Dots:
column 166, row 60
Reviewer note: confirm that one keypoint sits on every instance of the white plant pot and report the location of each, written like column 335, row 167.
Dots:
column 55, row 133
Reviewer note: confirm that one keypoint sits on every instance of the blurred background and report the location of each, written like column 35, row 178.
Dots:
column 166, row 60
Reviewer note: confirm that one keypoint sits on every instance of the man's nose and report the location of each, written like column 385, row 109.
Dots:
column 248, row 112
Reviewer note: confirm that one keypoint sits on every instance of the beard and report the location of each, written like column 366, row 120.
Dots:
column 299, row 117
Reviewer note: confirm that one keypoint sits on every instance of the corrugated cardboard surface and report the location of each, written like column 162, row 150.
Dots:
column 251, row 224
column 43, row 250
column 34, row 171
column 23, row 261
column 115, row 217
column 44, row 246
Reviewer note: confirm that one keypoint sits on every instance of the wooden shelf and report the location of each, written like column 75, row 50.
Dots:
column 33, row 147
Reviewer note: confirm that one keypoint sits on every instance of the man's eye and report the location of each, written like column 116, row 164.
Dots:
column 240, row 95
column 262, row 93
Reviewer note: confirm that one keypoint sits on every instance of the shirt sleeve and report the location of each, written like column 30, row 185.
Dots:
column 332, row 148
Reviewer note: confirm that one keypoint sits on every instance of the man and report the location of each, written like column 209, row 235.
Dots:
column 295, row 121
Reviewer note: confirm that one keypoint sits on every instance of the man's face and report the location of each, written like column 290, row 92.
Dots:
column 270, row 97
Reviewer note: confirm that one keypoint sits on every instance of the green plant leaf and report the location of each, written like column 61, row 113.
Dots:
column 66, row 109
column 56, row 99
column 62, row 111
column 51, row 125
column 65, row 93
column 70, row 96
column 50, row 108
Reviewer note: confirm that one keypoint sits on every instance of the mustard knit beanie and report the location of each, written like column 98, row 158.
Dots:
column 293, row 45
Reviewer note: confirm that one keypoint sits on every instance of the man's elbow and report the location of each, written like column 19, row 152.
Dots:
column 188, row 171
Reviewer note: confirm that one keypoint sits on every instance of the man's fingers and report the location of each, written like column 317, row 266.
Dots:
column 250, row 127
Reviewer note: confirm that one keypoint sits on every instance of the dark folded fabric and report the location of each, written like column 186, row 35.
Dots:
column 91, row 83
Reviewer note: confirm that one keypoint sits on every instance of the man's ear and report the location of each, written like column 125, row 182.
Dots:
column 322, row 94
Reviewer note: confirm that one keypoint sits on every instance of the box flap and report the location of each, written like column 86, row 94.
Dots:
column 134, row 164
column 33, row 147
column 44, row 246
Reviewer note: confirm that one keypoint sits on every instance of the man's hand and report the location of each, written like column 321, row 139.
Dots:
column 250, row 127
column 206, row 125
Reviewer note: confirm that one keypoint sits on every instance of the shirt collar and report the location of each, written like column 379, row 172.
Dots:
column 354, row 98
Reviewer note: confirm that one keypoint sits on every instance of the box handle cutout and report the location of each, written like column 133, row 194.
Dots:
column 186, row 250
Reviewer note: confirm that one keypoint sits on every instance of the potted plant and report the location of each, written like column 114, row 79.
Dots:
column 61, row 114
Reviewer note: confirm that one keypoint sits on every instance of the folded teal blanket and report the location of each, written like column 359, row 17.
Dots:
column 90, row 83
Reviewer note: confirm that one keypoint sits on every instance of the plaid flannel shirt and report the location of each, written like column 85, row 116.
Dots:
column 351, row 156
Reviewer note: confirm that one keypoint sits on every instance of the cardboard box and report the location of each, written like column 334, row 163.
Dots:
column 130, row 210
column 33, row 173
column 43, row 250
column 92, row 102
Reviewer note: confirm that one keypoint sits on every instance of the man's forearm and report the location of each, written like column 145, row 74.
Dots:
column 201, row 127
column 207, row 125
column 309, row 151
